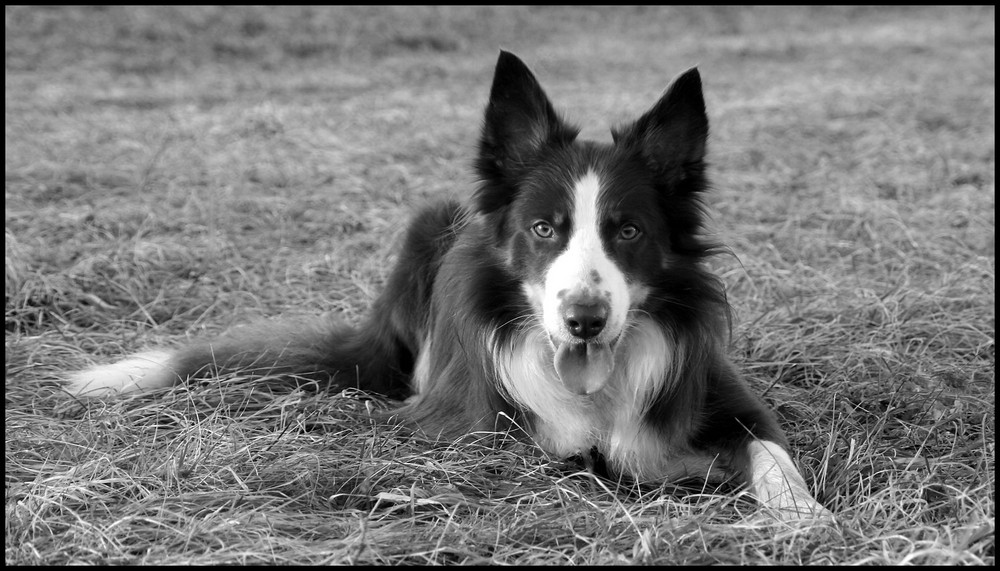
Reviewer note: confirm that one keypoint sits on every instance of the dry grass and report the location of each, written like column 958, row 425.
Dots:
column 171, row 172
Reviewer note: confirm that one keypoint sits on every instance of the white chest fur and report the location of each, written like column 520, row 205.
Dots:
column 612, row 420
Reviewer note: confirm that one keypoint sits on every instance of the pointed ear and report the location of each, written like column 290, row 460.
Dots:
column 519, row 121
column 671, row 136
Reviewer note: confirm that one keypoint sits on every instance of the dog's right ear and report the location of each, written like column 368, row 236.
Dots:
column 519, row 121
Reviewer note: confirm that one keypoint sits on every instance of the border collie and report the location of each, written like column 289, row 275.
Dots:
column 568, row 298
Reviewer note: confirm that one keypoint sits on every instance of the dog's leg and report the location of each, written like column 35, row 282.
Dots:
column 776, row 483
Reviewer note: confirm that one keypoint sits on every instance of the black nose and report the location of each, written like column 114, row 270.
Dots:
column 585, row 320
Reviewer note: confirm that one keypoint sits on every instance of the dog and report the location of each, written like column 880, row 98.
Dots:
column 569, row 297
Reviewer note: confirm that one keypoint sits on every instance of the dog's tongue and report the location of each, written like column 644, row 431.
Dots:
column 584, row 367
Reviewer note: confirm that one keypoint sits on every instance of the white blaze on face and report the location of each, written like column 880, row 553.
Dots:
column 584, row 269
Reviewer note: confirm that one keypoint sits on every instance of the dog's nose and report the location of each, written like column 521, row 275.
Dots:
column 585, row 320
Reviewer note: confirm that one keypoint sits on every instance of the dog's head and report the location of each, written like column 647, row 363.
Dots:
column 590, row 229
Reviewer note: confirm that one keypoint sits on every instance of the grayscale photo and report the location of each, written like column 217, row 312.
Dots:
column 500, row 285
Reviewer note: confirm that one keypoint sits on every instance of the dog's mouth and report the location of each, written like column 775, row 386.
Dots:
column 584, row 368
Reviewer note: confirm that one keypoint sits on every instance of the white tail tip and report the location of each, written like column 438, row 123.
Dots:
column 140, row 372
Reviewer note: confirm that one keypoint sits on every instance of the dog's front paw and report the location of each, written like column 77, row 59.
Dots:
column 794, row 505
column 777, row 484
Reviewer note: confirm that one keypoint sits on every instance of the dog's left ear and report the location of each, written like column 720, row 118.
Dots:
column 671, row 136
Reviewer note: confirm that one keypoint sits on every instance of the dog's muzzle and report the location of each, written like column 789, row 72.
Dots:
column 584, row 359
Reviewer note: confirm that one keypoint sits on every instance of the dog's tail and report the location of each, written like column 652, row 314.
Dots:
column 379, row 356
column 323, row 351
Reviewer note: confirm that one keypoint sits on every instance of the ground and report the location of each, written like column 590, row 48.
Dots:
column 171, row 172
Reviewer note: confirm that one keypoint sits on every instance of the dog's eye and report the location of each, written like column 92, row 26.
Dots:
column 543, row 230
column 629, row 232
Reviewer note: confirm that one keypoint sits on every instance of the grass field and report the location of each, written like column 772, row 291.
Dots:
column 171, row 172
